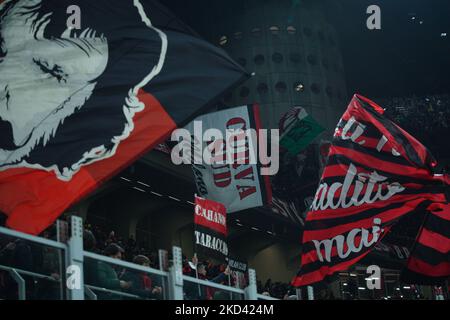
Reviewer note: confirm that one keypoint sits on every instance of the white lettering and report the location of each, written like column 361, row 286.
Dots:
column 339, row 240
column 326, row 195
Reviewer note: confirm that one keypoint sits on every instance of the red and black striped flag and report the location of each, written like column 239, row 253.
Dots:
column 87, row 87
column 376, row 173
column 429, row 262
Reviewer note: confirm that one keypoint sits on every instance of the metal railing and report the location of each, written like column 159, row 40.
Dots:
column 130, row 267
column 264, row 297
column 72, row 258
column 124, row 264
column 27, row 237
column 17, row 274
column 230, row 292
column 214, row 285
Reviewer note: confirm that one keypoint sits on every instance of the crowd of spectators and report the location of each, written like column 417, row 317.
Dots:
column 143, row 285
column 205, row 269
column 109, row 276
column 28, row 256
column 130, row 245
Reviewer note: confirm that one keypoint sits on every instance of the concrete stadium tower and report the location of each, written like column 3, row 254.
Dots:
column 292, row 51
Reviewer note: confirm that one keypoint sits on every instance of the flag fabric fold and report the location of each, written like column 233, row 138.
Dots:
column 429, row 262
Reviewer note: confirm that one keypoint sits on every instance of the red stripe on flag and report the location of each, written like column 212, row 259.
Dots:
column 356, row 109
column 324, row 271
column 434, row 240
column 440, row 210
column 374, row 162
column 385, row 216
column 372, row 143
column 418, row 147
column 374, row 105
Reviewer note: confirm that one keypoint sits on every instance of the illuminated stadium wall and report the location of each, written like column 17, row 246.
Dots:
column 293, row 52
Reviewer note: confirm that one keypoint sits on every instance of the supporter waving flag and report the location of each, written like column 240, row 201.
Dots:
column 86, row 88
column 376, row 173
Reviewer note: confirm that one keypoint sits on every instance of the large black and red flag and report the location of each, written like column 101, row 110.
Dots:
column 376, row 173
column 210, row 234
column 87, row 87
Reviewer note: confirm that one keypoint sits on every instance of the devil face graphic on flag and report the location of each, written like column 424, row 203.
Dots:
column 376, row 173
column 77, row 105
column 50, row 71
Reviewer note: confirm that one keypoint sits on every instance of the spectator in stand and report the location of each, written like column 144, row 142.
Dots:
column 48, row 259
column 141, row 284
column 90, row 265
column 106, row 275
column 131, row 247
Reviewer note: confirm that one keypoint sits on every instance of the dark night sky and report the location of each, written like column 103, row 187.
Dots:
column 403, row 58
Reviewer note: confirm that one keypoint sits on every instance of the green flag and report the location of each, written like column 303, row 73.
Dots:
column 299, row 130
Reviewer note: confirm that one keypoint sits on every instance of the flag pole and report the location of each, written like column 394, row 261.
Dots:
column 229, row 284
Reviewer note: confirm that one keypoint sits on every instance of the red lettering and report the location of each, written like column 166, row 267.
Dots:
column 236, row 121
column 246, row 174
column 222, row 178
